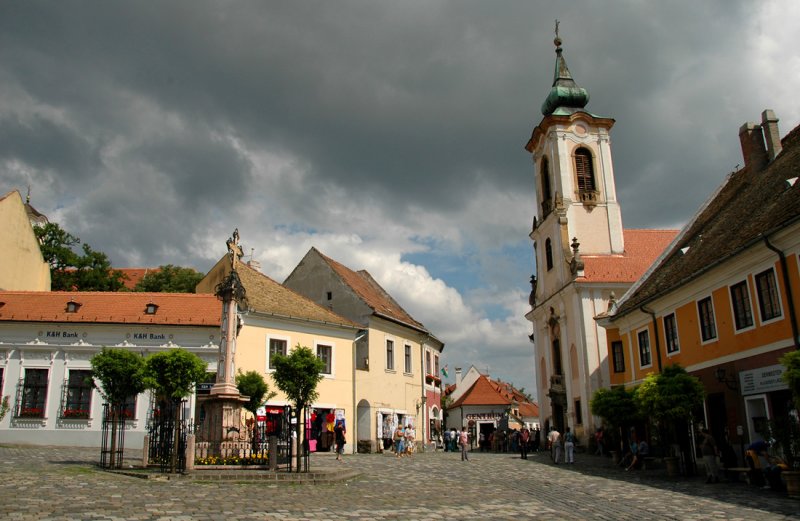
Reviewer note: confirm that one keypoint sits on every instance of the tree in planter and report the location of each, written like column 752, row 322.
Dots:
column 172, row 375
column 788, row 429
column 669, row 399
column 617, row 406
column 298, row 375
column 121, row 375
column 252, row 384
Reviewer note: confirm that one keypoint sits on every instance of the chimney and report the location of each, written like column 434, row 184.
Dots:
column 458, row 376
column 753, row 149
column 769, row 122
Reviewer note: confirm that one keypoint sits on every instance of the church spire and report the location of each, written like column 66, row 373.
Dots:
column 565, row 93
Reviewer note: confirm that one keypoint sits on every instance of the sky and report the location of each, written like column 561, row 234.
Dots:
column 389, row 135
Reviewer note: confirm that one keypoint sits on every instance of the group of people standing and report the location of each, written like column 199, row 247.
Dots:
column 558, row 444
column 403, row 439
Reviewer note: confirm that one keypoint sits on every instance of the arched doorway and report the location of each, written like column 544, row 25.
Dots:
column 364, row 427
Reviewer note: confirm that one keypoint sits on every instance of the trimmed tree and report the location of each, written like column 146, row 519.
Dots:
column 121, row 375
column 670, row 398
column 298, row 375
column 172, row 375
column 788, row 428
column 617, row 406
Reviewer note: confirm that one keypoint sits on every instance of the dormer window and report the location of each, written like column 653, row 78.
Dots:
column 151, row 309
column 72, row 306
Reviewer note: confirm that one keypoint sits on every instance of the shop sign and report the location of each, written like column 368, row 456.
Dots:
column 762, row 380
column 484, row 416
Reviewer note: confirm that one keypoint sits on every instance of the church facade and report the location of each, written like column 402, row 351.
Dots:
column 584, row 256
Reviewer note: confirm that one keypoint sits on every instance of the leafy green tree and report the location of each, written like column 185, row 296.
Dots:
column 170, row 279
column 297, row 375
column 121, row 375
column 71, row 270
column 670, row 398
column 618, row 408
column 253, row 385
column 172, row 375
column 791, row 377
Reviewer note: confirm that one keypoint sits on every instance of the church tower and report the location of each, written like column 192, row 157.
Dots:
column 576, row 214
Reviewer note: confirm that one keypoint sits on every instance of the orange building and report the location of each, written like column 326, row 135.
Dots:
column 722, row 300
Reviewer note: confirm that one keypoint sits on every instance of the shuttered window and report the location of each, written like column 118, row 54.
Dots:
column 584, row 170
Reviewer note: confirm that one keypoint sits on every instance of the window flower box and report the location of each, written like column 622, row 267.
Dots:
column 433, row 379
column 75, row 414
column 31, row 412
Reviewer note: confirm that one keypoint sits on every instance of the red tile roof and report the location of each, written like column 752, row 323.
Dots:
column 373, row 295
column 183, row 309
column 749, row 206
column 486, row 391
column 642, row 248
column 134, row 275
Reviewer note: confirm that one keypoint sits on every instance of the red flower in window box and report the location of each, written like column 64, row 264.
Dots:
column 31, row 412
column 433, row 379
column 76, row 413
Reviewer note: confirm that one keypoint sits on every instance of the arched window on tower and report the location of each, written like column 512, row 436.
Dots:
column 548, row 254
column 584, row 171
column 547, row 191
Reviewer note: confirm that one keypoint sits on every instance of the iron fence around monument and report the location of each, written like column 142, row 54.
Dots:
column 167, row 432
column 248, row 444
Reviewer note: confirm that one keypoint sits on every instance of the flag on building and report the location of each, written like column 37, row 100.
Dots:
column 444, row 371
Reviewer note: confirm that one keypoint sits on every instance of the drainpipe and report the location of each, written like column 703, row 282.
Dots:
column 652, row 313
column 789, row 297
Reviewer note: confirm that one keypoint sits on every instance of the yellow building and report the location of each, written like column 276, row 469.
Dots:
column 396, row 357
column 275, row 320
column 22, row 267
column 722, row 300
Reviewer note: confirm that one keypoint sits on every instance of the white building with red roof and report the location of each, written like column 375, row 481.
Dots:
column 583, row 254
column 47, row 340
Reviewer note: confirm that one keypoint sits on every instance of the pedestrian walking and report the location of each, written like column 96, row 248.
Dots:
column 598, row 440
column 710, row 453
column 398, row 438
column 524, row 438
column 569, row 446
column 339, row 431
column 463, row 442
column 554, row 439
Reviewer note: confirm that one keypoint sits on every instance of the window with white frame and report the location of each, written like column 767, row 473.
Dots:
column 708, row 327
column 407, row 358
column 645, row 359
column 436, row 365
column 671, row 334
column 427, row 362
column 77, row 398
column 618, row 356
column 742, row 311
column 34, row 394
column 390, row 355
column 325, row 353
column 768, row 302
column 277, row 346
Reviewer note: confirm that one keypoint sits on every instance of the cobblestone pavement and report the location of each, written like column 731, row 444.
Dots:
column 64, row 484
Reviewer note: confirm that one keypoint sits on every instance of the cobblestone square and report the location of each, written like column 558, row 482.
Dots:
column 64, row 484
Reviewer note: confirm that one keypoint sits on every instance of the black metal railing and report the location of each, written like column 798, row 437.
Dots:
column 167, row 432
column 112, row 446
